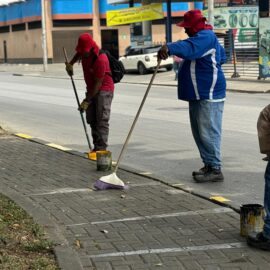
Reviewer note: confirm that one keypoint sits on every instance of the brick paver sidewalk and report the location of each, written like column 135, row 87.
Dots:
column 148, row 226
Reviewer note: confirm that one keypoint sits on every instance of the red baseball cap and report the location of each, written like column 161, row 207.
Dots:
column 85, row 43
column 191, row 18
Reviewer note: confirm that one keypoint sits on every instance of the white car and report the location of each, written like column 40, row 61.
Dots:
column 143, row 59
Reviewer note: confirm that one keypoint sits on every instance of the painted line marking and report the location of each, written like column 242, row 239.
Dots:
column 176, row 185
column 60, row 147
column 144, row 184
column 62, row 191
column 146, row 173
column 174, row 191
column 172, row 250
column 24, row 136
column 177, row 214
column 219, row 199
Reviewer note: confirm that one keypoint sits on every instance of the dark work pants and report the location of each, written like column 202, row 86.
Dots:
column 98, row 116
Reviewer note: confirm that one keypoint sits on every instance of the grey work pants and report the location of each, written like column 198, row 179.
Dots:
column 98, row 116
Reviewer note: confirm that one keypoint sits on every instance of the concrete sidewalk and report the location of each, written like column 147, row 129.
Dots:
column 148, row 226
column 163, row 78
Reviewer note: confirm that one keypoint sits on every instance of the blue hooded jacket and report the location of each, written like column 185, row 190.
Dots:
column 200, row 75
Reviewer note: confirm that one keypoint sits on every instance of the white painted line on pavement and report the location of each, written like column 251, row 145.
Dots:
column 144, row 184
column 57, row 146
column 171, row 250
column 62, row 191
column 146, row 173
column 219, row 210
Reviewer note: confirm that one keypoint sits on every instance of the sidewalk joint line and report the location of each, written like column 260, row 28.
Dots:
column 168, row 215
column 61, row 191
column 171, row 250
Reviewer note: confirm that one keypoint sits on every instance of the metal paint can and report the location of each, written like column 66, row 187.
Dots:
column 104, row 160
column 251, row 219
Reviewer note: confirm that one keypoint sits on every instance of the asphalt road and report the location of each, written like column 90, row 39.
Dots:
column 161, row 143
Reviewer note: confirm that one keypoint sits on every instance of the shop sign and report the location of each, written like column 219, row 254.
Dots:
column 264, row 50
column 247, row 35
column 226, row 3
column 235, row 17
column 135, row 14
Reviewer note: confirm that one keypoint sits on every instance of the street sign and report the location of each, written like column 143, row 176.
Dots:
column 135, row 14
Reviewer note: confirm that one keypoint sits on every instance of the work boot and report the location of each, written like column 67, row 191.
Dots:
column 259, row 241
column 201, row 171
column 211, row 175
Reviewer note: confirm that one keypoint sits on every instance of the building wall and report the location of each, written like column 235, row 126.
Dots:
column 22, row 44
column 71, row 9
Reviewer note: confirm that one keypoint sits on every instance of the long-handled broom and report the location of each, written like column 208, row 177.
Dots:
column 93, row 157
column 112, row 181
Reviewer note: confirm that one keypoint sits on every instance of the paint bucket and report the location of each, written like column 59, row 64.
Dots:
column 104, row 160
column 251, row 219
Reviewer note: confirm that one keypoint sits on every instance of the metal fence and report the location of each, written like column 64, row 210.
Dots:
column 242, row 51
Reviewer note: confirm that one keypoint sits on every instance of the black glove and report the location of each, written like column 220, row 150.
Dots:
column 69, row 69
column 163, row 52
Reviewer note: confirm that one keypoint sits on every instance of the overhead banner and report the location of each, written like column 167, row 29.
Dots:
column 264, row 51
column 235, row 17
column 135, row 14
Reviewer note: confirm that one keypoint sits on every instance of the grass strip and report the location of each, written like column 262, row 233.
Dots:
column 23, row 243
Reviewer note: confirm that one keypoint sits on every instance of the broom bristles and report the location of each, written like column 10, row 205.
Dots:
column 111, row 181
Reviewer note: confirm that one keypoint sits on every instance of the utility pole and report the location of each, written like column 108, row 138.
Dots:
column 211, row 12
column 96, row 23
column 169, row 22
column 44, row 36
column 147, row 26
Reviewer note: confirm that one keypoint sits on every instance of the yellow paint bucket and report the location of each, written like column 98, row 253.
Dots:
column 104, row 160
column 251, row 219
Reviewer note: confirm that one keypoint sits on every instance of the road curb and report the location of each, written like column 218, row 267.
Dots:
column 157, row 84
column 214, row 199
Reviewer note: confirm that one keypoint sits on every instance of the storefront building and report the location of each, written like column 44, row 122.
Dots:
column 21, row 28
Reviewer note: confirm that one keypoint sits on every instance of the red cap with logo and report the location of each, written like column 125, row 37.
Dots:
column 192, row 18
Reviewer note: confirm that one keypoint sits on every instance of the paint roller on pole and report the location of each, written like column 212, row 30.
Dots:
column 112, row 181
column 91, row 155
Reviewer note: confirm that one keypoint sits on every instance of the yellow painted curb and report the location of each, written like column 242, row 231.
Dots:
column 24, row 136
column 219, row 199
column 60, row 147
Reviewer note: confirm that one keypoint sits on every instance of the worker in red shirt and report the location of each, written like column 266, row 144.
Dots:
column 99, row 86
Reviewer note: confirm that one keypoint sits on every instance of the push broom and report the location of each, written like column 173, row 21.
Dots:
column 91, row 155
column 112, row 181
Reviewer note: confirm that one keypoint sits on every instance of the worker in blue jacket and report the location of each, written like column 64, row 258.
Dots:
column 201, row 82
